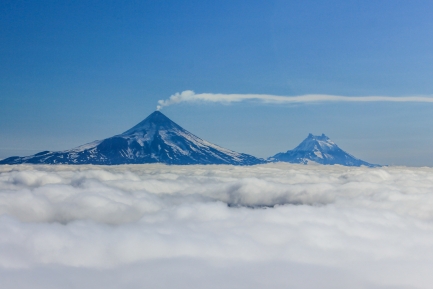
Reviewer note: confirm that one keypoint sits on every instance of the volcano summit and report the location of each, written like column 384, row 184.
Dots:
column 157, row 139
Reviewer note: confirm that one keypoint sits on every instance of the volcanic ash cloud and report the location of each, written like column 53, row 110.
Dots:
column 276, row 224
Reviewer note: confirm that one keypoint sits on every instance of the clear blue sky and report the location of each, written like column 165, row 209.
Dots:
column 75, row 71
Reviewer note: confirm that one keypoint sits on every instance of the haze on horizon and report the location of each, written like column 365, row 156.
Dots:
column 74, row 72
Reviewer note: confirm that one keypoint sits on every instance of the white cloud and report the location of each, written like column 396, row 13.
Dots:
column 367, row 227
column 191, row 96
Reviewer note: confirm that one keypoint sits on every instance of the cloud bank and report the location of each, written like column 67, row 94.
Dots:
column 191, row 96
column 275, row 225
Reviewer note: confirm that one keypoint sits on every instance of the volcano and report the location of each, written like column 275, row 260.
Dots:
column 319, row 149
column 156, row 139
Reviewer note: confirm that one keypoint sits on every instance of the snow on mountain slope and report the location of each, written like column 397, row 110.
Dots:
column 156, row 139
column 321, row 150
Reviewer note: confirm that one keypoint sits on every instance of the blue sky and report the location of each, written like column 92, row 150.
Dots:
column 75, row 71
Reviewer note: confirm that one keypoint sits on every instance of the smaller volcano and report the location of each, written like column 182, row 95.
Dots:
column 319, row 149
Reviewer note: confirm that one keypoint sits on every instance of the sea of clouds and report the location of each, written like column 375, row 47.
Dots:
column 267, row 226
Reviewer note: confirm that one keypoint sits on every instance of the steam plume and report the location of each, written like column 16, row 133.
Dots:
column 191, row 96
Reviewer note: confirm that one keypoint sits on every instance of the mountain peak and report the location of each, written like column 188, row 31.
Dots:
column 322, row 137
column 157, row 117
column 156, row 114
column 316, row 142
column 156, row 120
column 319, row 149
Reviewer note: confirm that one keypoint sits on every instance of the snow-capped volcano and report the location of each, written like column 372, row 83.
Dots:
column 156, row 139
column 321, row 150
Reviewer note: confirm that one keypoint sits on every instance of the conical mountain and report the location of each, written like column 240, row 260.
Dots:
column 157, row 139
column 319, row 149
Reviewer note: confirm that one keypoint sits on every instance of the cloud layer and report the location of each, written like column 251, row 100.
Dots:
column 191, row 96
column 369, row 228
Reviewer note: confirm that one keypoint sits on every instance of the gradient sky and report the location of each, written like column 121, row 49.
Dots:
column 75, row 71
